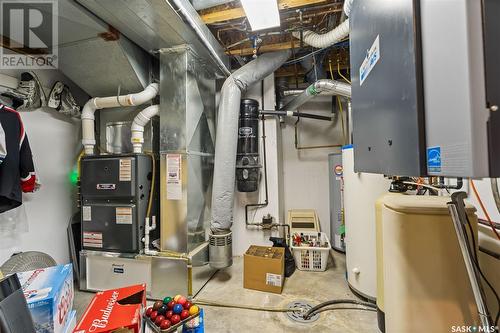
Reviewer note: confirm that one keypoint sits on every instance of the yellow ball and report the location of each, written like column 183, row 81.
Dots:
column 176, row 297
column 194, row 309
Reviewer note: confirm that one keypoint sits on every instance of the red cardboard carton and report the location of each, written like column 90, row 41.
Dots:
column 118, row 310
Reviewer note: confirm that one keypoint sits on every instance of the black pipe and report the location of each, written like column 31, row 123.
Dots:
column 266, row 201
column 458, row 186
column 295, row 114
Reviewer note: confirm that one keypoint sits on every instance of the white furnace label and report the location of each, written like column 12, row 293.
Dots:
column 92, row 239
column 174, row 177
column 372, row 57
column 273, row 280
column 125, row 170
column 123, row 215
column 87, row 213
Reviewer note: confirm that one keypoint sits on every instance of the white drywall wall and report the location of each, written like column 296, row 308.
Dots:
column 306, row 174
column 55, row 143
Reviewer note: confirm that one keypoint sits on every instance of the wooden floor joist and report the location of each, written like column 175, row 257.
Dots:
column 234, row 13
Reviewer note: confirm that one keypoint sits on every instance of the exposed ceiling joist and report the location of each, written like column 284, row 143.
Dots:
column 234, row 13
column 264, row 48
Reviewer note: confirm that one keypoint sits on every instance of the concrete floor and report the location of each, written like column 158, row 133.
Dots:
column 227, row 286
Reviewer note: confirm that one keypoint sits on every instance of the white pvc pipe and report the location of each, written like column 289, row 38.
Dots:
column 140, row 121
column 324, row 40
column 93, row 104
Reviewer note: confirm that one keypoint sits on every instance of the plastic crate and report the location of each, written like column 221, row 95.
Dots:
column 309, row 258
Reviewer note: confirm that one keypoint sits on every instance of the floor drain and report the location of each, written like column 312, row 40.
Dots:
column 298, row 315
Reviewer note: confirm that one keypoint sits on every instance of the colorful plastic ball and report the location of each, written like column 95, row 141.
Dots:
column 187, row 305
column 184, row 314
column 167, row 299
column 171, row 305
column 182, row 300
column 148, row 312
column 175, row 319
column 153, row 315
column 177, row 308
column 176, row 298
column 165, row 324
column 194, row 309
column 169, row 314
column 163, row 309
column 157, row 305
column 159, row 319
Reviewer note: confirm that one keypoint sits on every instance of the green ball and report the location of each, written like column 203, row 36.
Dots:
column 167, row 299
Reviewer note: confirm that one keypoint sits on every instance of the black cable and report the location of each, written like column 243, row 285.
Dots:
column 338, row 301
column 476, row 263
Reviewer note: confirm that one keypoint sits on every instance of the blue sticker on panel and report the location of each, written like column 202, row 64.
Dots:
column 434, row 159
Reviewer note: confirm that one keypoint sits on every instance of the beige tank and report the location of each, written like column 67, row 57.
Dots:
column 425, row 286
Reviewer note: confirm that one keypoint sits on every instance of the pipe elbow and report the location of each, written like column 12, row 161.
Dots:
column 89, row 109
column 146, row 95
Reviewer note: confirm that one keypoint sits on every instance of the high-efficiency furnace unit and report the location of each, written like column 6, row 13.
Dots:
column 425, row 87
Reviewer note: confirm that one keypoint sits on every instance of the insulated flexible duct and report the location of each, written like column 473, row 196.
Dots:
column 227, row 134
column 332, row 37
column 325, row 87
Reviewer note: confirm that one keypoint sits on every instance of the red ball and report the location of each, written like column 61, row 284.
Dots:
column 169, row 314
column 148, row 312
column 171, row 305
column 182, row 300
column 159, row 319
column 165, row 324
column 175, row 319
column 153, row 315
column 187, row 305
column 184, row 314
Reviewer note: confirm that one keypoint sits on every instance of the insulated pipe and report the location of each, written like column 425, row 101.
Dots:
column 327, row 39
column 204, row 4
column 227, row 134
column 324, row 87
column 140, row 121
column 347, row 7
column 93, row 104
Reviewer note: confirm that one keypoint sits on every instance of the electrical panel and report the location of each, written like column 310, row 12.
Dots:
column 115, row 195
column 425, row 87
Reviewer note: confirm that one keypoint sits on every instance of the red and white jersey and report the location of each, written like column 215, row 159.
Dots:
column 17, row 171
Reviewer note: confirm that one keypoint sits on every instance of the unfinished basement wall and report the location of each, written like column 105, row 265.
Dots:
column 55, row 143
column 306, row 174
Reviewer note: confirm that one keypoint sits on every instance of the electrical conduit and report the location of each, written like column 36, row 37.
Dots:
column 88, row 117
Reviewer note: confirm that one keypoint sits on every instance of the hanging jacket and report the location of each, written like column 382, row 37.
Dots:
column 17, row 171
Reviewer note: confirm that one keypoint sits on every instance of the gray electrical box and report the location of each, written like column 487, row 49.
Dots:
column 336, row 179
column 425, row 87
column 114, row 195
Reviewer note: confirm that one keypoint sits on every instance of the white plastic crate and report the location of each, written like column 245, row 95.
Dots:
column 309, row 258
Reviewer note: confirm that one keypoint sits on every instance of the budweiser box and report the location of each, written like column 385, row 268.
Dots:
column 117, row 310
column 49, row 294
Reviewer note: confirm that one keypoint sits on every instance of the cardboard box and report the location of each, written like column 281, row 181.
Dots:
column 263, row 268
column 117, row 310
column 49, row 294
column 70, row 322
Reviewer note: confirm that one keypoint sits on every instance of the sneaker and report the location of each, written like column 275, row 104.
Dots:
column 68, row 104
column 30, row 87
column 55, row 95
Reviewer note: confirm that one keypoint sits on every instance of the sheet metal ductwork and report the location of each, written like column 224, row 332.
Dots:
column 226, row 148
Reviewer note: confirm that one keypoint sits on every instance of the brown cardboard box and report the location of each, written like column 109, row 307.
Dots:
column 263, row 268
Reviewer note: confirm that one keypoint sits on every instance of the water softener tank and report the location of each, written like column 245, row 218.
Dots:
column 247, row 160
column 425, row 284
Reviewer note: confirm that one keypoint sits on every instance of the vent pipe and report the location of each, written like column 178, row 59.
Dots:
column 137, row 129
column 93, row 104
column 226, row 148
column 324, row 87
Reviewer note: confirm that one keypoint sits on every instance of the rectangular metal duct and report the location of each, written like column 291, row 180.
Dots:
column 155, row 24
column 187, row 146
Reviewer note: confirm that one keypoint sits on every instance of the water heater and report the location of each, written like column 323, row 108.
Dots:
column 426, row 87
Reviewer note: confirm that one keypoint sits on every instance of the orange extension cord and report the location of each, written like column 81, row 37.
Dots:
column 483, row 208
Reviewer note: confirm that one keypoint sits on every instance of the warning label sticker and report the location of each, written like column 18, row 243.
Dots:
column 92, row 239
column 174, row 177
column 123, row 215
column 87, row 213
column 125, row 170
column 273, row 280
